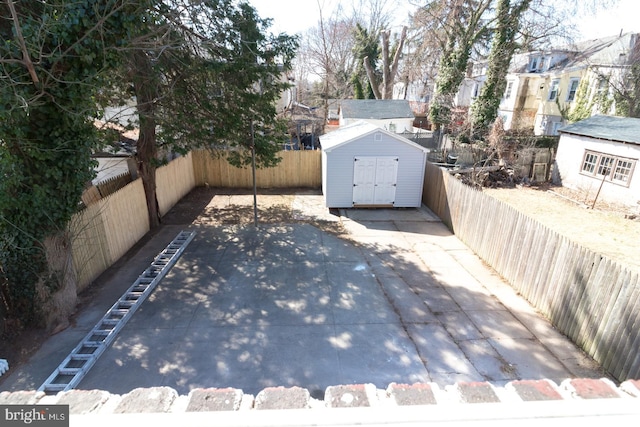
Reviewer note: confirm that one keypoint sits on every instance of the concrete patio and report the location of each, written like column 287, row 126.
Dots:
column 401, row 300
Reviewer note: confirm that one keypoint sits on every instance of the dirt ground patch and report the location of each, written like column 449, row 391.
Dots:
column 215, row 206
column 605, row 230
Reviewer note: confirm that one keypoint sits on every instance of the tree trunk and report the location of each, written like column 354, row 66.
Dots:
column 371, row 74
column 146, row 90
column 390, row 66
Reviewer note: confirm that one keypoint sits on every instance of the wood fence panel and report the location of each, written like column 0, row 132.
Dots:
column 623, row 360
column 297, row 169
column 576, row 308
column 174, row 181
column 589, row 298
column 593, row 296
column 126, row 218
column 604, row 287
column 553, row 299
column 629, row 325
column 612, row 290
column 613, row 340
column 520, row 254
column 88, row 245
column 113, row 184
column 545, row 255
column 106, row 230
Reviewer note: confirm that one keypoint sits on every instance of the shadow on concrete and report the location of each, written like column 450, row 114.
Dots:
column 292, row 305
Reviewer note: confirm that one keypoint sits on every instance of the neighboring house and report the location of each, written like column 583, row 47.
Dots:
column 111, row 165
column 599, row 156
column 543, row 87
column 585, row 77
column 365, row 165
column 394, row 115
column 117, row 158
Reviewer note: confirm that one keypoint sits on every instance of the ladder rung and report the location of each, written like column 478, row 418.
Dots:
column 81, row 357
column 69, row 371
column 75, row 366
column 55, row 387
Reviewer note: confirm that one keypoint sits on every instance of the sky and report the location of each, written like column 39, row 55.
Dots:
column 295, row 16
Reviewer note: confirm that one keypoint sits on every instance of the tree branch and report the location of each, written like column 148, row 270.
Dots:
column 26, row 60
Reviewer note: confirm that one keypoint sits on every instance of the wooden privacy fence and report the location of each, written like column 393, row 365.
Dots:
column 587, row 297
column 109, row 227
column 173, row 182
column 106, row 230
column 297, row 169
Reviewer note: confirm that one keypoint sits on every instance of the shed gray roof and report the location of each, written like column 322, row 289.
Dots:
column 611, row 128
column 346, row 134
column 377, row 109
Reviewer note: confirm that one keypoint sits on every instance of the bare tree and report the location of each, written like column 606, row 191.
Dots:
column 390, row 56
column 627, row 94
column 328, row 50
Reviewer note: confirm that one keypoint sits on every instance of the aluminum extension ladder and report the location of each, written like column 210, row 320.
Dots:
column 76, row 365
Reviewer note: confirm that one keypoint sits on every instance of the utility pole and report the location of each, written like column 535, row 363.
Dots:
column 253, row 171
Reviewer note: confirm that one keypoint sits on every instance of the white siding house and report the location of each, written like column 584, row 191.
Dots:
column 391, row 114
column 365, row 165
column 599, row 156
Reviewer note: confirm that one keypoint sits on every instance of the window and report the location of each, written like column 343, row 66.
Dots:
column 573, row 88
column 534, row 64
column 623, row 169
column 590, row 161
column 507, row 94
column 553, row 90
column 541, row 63
column 604, row 167
column 476, row 90
column 608, row 167
column 603, row 86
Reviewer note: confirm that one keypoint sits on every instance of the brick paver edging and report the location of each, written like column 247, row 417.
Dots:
column 167, row 400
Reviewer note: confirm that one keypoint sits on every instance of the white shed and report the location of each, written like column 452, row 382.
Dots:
column 365, row 165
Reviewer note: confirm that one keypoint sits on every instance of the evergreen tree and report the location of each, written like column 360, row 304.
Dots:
column 200, row 79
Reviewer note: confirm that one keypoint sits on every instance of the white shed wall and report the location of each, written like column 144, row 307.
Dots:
column 337, row 170
column 569, row 160
column 402, row 125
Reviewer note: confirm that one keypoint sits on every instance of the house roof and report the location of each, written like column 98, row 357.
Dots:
column 620, row 129
column 609, row 51
column 359, row 129
column 376, row 109
column 612, row 50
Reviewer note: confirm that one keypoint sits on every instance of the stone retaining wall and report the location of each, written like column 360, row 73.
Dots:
column 167, row 400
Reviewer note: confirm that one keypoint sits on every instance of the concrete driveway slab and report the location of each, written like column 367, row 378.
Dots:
column 402, row 300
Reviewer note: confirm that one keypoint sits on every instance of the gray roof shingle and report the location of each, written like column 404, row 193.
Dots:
column 376, row 109
column 621, row 129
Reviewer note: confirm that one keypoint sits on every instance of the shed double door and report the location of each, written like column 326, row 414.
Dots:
column 374, row 180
